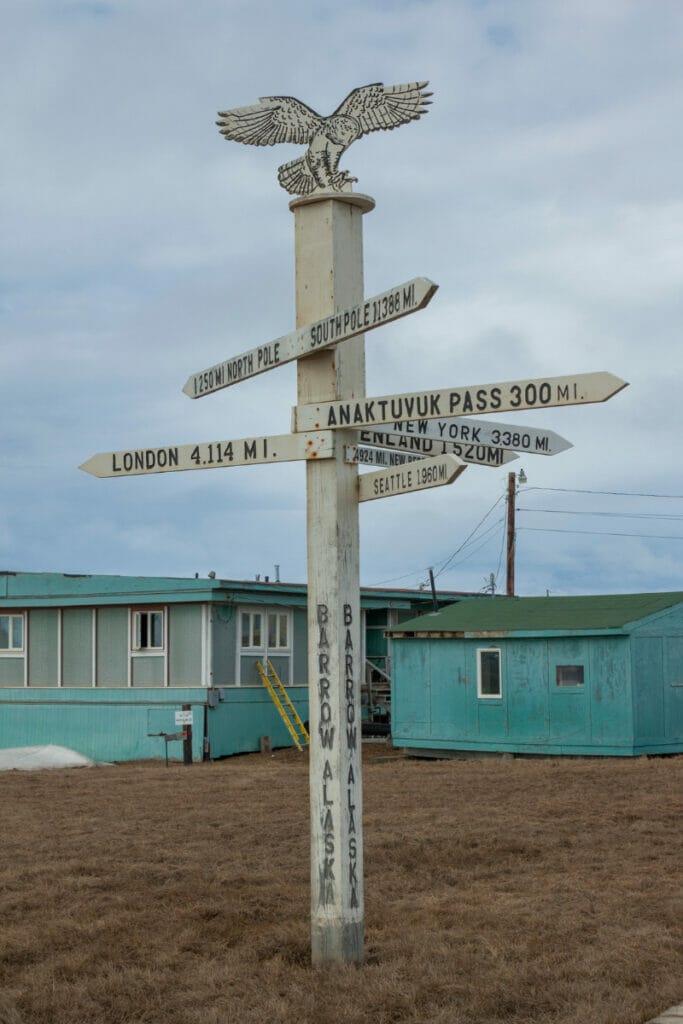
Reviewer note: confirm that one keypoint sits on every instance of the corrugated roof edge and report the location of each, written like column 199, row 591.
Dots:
column 529, row 616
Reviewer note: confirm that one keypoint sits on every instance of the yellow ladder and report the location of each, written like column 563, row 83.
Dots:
column 294, row 722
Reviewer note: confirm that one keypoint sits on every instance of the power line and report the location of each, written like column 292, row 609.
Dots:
column 623, row 494
column 600, row 533
column 420, row 572
column 467, row 539
column 610, row 515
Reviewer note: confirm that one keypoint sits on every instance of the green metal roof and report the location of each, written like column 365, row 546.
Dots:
column 34, row 590
column 540, row 614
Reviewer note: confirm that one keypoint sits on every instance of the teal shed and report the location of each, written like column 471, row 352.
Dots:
column 596, row 675
column 101, row 664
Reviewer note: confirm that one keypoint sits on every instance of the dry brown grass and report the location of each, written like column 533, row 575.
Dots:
column 528, row 892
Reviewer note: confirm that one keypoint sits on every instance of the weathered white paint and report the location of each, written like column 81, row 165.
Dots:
column 468, row 430
column 243, row 451
column 505, row 396
column 330, row 330
column 277, row 119
column 436, row 472
column 378, row 456
column 329, row 275
column 477, row 454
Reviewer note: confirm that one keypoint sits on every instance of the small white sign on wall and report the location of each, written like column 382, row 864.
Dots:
column 183, row 718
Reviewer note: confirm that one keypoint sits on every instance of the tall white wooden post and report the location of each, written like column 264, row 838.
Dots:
column 329, row 277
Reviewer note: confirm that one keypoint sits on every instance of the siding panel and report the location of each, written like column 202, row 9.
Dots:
column 43, row 647
column 77, row 646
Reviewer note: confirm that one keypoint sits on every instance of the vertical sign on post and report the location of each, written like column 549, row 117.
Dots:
column 329, row 275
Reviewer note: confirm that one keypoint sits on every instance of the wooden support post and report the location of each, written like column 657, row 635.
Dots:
column 510, row 574
column 329, row 277
column 187, row 742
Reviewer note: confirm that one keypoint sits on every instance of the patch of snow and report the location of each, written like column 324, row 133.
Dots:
column 34, row 758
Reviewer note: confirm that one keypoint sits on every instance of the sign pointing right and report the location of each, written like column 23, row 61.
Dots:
column 468, row 430
column 539, row 393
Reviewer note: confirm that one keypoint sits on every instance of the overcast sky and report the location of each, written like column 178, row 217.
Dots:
column 543, row 193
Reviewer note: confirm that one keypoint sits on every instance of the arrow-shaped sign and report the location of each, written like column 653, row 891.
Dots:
column 378, row 456
column 418, row 476
column 477, row 454
column 468, row 430
column 245, row 451
column 539, row 393
column 347, row 323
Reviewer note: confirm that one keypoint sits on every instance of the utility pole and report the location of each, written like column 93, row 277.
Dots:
column 510, row 565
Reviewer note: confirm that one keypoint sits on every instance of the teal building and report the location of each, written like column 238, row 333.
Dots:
column 101, row 664
column 542, row 675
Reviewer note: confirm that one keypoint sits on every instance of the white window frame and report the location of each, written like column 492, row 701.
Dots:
column 11, row 651
column 135, row 632
column 490, row 696
column 263, row 651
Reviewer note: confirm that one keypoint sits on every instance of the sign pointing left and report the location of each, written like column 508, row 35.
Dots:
column 245, row 451
column 347, row 323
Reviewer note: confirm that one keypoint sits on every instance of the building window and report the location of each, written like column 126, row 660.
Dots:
column 11, row 633
column 148, row 630
column 488, row 673
column 569, row 675
column 268, row 630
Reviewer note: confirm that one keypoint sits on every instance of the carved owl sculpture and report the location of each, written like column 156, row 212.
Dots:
column 285, row 119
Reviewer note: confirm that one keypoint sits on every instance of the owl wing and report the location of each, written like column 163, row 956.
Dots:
column 385, row 106
column 273, row 119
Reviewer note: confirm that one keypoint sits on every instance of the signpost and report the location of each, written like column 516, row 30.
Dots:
column 245, row 451
column 332, row 409
column 538, row 393
column 477, row 454
column 468, row 430
column 338, row 326
column 379, row 456
column 436, row 472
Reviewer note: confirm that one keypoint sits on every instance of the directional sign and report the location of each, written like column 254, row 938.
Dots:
column 245, row 451
column 539, row 393
column 378, row 456
column 466, row 429
column 443, row 469
column 477, row 454
column 347, row 323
